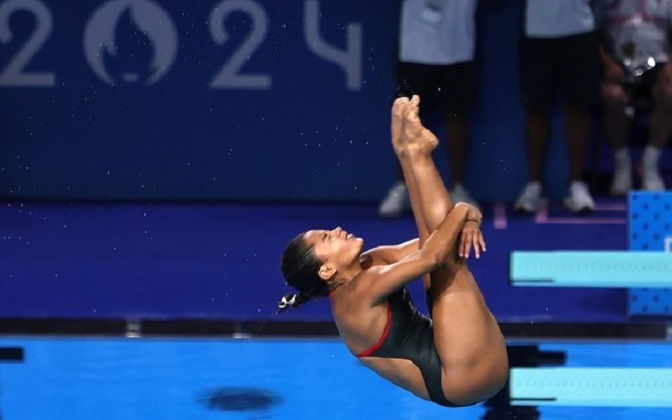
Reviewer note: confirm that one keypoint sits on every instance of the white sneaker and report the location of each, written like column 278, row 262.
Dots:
column 532, row 198
column 579, row 199
column 621, row 183
column 652, row 181
column 396, row 202
column 460, row 194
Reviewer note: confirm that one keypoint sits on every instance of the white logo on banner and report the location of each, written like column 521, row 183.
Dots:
column 149, row 18
column 107, row 48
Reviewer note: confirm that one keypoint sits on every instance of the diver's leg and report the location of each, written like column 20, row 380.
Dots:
column 398, row 109
column 415, row 149
column 467, row 337
column 413, row 145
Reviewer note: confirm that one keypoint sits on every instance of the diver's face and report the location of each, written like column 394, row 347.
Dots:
column 335, row 247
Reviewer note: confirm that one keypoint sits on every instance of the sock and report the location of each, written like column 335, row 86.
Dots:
column 650, row 157
column 622, row 156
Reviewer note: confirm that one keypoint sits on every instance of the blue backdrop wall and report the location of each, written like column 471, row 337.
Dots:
column 230, row 100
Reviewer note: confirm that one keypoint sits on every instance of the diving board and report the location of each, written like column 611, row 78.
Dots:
column 591, row 269
column 597, row 387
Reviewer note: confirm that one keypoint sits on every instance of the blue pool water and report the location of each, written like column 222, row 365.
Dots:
column 160, row 378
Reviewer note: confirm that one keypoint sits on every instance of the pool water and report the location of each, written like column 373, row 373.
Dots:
column 177, row 378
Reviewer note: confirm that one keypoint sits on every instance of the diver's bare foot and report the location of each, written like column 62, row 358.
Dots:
column 414, row 136
column 397, row 114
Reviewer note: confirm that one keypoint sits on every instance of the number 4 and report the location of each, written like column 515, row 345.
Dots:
column 349, row 60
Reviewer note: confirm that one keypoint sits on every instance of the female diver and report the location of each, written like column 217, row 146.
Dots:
column 456, row 358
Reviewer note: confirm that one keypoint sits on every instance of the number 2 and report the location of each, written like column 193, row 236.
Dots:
column 15, row 73
column 229, row 76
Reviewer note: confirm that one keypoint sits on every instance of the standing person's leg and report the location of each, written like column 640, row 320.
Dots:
column 580, row 79
column 615, row 121
column 577, row 132
column 457, row 129
column 537, row 130
column 616, row 127
column 536, row 78
column 661, row 116
column 468, row 339
column 458, row 95
column 660, row 129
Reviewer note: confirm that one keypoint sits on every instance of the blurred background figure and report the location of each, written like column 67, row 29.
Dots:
column 436, row 61
column 635, row 49
column 558, row 52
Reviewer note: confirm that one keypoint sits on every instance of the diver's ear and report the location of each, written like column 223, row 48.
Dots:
column 326, row 272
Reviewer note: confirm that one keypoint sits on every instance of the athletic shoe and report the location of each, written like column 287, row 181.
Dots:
column 578, row 199
column 652, row 181
column 621, row 183
column 459, row 194
column 396, row 202
column 532, row 198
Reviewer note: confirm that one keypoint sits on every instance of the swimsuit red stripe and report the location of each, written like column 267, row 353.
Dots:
column 372, row 349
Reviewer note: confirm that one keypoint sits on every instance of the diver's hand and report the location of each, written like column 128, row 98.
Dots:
column 471, row 237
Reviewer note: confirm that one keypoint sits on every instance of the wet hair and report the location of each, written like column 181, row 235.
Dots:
column 300, row 267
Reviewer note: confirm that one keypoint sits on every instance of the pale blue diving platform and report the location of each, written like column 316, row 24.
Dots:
column 614, row 269
column 596, row 387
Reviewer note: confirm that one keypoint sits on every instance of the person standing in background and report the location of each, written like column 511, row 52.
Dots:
column 635, row 37
column 437, row 42
column 558, row 52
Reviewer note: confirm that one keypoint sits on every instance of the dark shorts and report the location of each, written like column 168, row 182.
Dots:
column 451, row 86
column 568, row 66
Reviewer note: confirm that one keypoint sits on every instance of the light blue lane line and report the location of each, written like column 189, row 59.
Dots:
column 591, row 269
column 596, row 387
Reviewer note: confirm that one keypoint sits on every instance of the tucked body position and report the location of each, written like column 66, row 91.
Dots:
column 454, row 357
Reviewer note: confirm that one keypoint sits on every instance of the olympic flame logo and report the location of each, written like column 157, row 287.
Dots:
column 101, row 41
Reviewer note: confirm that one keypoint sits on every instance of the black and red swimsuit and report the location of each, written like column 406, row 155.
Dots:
column 409, row 335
